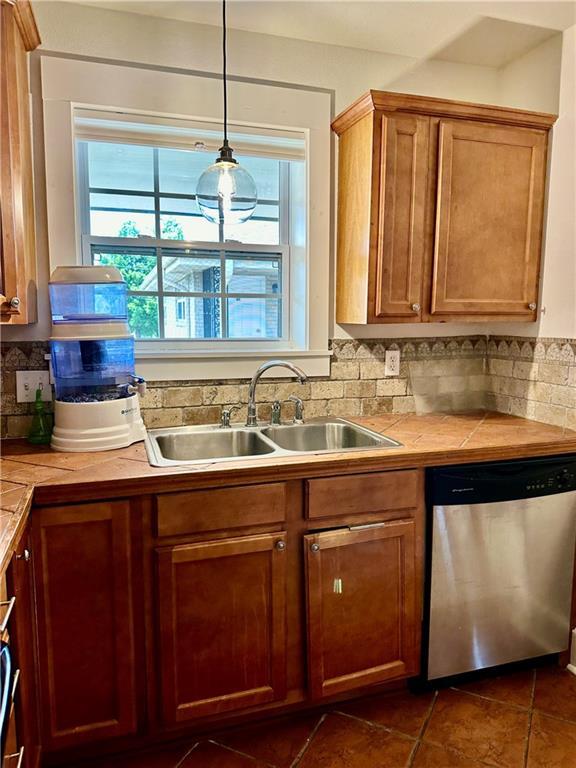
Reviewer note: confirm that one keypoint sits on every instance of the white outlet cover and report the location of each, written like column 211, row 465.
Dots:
column 27, row 382
column 392, row 362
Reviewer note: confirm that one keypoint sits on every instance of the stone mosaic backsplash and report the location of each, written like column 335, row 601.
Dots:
column 535, row 378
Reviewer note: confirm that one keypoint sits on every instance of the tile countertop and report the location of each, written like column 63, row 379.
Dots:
column 28, row 471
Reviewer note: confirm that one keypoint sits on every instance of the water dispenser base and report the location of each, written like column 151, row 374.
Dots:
column 97, row 426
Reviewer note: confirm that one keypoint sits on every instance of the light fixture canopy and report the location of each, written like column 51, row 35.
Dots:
column 226, row 192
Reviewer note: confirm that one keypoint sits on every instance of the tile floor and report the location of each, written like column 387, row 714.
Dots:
column 524, row 719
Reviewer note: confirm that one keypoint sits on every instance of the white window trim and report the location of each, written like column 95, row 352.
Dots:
column 68, row 84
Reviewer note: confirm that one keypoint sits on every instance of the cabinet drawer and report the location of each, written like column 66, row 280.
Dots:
column 220, row 509
column 370, row 492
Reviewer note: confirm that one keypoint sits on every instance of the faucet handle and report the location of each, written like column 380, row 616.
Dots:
column 298, row 409
column 226, row 414
column 276, row 416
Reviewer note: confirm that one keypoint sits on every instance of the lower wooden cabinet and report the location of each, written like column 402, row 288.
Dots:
column 222, row 619
column 21, row 628
column 363, row 606
column 85, row 622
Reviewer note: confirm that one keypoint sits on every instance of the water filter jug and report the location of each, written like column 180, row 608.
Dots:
column 97, row 392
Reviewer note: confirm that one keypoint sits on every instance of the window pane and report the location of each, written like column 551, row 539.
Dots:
column 143, row 316
column 115, row 224
column 138, row 267
column 254, row 318
column 181, row 220
column 124, row 203
column 253, row 275
column 191, row 274
column 120, row 166
column 191, row 317
column 256, row 232
column 266, row 174
column 180, row 169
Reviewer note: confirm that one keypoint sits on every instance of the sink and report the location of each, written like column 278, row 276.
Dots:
column 189, row 444
column 326, row 436
column 210, row 443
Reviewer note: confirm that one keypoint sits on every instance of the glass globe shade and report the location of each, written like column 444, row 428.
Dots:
column 226, row 193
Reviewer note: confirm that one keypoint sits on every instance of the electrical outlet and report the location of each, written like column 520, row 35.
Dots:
column 27, row 382
column 392, row 362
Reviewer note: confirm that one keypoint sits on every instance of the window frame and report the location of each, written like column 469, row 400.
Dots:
column 218, row 248
column 73, row 82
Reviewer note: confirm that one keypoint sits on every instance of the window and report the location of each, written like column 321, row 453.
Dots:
column 187, row 278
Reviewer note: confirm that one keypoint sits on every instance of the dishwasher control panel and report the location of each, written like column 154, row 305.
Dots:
column 502, row 481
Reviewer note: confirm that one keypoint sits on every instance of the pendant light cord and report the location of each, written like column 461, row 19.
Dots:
column 224, row 76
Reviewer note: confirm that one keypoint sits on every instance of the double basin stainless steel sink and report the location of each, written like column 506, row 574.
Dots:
column 209, row 444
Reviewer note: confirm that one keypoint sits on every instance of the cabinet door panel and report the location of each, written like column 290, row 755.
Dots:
column 401, row 241
column 17, row 235
column 222, row 617
column 85, row 622
column 363, row 622
column 488, row 220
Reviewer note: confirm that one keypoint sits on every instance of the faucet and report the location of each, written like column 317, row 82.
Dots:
column 302, row 378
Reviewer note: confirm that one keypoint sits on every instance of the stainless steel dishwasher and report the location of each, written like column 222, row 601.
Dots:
column 501, row 542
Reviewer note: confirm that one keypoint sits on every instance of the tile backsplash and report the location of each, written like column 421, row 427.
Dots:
column 535, row 378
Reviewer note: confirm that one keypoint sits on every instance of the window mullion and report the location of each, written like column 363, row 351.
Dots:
column 160, row 281
column 223, row 302
column 156, row 194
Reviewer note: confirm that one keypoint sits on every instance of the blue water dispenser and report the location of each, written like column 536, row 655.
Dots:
column 97, row 392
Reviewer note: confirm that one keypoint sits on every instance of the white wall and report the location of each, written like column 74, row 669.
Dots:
column 558, row 288
column 100, row 33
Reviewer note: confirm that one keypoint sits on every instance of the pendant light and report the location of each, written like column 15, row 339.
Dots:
column 226, row 192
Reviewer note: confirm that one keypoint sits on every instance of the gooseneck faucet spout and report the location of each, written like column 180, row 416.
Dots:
column 300, row 375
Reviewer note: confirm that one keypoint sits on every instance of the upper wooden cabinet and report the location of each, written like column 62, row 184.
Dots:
column 440, row 210
column 18, row 35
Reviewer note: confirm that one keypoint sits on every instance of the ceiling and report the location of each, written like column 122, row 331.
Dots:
column 486, row 33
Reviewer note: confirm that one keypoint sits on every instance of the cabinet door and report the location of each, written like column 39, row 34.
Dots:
column 401, row 238
column 85, row 622
column 488, row 220
column 222, row 618
column 363, row 610
column 22, row 635
column 19, row 35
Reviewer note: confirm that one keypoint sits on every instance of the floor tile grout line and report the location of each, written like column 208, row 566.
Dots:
column 378, row 726
column 428, row 716
column 186, row 755
column 491, row 698
column 238, row 752
column 530, row 716
column 308, row 741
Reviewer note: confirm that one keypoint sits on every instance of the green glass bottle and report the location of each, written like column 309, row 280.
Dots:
column 40, row 430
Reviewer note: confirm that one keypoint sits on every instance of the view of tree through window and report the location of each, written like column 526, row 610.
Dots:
column 187, row 278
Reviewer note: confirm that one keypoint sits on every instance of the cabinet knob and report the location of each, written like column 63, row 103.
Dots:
column 24, row 556
column 532, row 306
column 415, row 307
column 280, row 545
column 315, row 547
column 13, row 303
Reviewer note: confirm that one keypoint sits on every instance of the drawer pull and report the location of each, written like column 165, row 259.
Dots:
column 9, row 608
column 366, row 526
column 281, row 545
column 315, row 547
column 9, row 759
